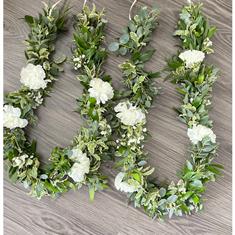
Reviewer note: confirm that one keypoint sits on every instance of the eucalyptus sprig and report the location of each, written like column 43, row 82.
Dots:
column 195, row 80
column 136, row 37
column 137, row 34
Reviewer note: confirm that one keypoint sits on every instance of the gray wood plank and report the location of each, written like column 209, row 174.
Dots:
column 109, row 213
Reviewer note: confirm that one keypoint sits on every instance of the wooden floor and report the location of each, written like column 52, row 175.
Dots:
column 110, row 213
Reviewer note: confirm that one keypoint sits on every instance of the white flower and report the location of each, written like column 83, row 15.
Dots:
column 19, row 161
column 189, row 2
column 81, row 165
column 192, row 57
column 32, row 76
column 100, row 90
column 125, row 186
column 197, row 133
column 129, row 114
column 11, row 117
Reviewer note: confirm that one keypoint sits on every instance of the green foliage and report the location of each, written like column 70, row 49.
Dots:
column 137, row 34
column 194, row 29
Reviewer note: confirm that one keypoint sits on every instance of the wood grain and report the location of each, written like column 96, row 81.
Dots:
column 109, row 213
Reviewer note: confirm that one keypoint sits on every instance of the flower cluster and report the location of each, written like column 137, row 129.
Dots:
column 81, row 165
column 100, row 90
column 199, row 132
column 128, row 114
column 78, row 61
column 33, row 77
column 127, row 186
column 11, row 117
column 192, row 58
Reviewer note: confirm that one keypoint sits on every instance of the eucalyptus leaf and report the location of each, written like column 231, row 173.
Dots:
column 114, row 46
column 124, row 38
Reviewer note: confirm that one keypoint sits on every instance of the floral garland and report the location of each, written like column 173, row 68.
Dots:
column 88, row 58
column 195, row 81
column 78, row 164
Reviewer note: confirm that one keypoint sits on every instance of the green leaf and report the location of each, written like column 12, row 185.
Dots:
column 154, row 75
column 29, row 19
column 200, row 78
column 136, row 176
column 114, row 46
column 211, row 32
column 33, row 146
column 124, row 38
column 161, row 202
column 162, row 192
column 217, row 166
column 197, row 184
column 123, row 50
column 92, row 101
column 146, row 56
column 172, row 198
column 181, row 91
column 147, row 103
column 208, row 148
column 61, row 59
column 195, row 199
column 138, row 82
column 80, row 42
column 132, row 26
column 140, row 31
column 149, row 172
column 135, row 38
column 189, row 165
column 214, row 170
column 92, row 193
column 196, row 102
column 142, row 163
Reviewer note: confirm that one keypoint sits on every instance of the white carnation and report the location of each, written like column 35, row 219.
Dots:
column 11, row 117
column 125, row 186
column 100, row 90
column 129, row 114
column 81, row 165
column 32, row 76
column 192, row 57
column 197, row 133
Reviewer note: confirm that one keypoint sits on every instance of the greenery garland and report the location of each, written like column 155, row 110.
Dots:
column 78, row 164
column 195, row 80
column 88, row 58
